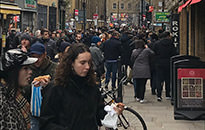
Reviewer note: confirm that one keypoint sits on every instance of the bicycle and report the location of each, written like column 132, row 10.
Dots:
column 129, row 119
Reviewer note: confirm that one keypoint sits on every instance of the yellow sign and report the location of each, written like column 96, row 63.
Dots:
column 3, row 41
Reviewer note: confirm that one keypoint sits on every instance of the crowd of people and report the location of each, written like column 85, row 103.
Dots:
column 76, row 62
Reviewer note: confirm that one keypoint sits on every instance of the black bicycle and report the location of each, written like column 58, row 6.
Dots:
column 129, row 119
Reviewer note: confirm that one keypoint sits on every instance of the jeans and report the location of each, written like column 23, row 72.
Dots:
column 139, row 87
column 111, row 67
column 34, row 123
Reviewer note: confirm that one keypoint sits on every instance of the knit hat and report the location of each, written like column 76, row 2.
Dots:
column 26, row 37
column 95, row 39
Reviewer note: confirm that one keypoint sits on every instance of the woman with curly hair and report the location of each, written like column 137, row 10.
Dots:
column 74, row 102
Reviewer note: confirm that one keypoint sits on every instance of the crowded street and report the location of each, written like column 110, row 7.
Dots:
column 102, row 65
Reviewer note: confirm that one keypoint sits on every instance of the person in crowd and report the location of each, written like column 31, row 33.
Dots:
column 78, row 38
column 15, row 75
column 70, row 36
column 25, row 42
column 153, row 79
column 141, row 68
column 44, row 66
column 74, row 102
column 164, row 50
column 126, row 53
column 97, row 58
column 112, row 50
column 53, row 36
column 49, row 43
column 38, row 34
column 64, row 46
column 12, row 41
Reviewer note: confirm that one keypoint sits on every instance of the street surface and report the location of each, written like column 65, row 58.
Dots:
column 158, row 115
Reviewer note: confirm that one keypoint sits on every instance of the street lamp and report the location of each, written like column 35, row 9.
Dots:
column 84, row 18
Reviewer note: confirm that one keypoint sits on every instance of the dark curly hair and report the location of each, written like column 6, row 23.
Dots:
column 64, row 70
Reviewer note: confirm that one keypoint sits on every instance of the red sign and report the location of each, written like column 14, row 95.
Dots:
column 151, row 8
column 16, row 18
column 191, row 73
column 95, row 16
column 76, row 12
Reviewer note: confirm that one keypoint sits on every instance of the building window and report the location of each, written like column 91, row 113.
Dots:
column 129, row 5
column 122, row 5
column 114, row 6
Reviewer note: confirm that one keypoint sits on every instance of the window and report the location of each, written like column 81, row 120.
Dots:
column 114, row 6
column 129, row 5
column 122, row 5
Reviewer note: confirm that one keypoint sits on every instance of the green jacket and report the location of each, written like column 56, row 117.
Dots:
column 47, row 68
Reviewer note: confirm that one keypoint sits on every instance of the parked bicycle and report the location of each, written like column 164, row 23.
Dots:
column 129, row 119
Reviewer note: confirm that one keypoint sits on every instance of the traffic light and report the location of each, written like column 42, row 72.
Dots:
column 149, row 16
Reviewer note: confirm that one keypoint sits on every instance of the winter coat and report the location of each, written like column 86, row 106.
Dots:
column 97, row 55
column 112, row 49
column 47, row 68
column 141, row 67
column 164, row 50
column 126, row 51
column 76, row 106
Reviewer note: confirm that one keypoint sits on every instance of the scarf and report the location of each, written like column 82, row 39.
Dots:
column 15, row 110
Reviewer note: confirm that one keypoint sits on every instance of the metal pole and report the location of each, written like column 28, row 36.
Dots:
column 187, row 49
column 84, row 18
column 105, row 12
column 118, row 11
column 163, row 11
column 142, row 2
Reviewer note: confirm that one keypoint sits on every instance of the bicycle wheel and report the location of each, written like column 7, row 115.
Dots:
column 131, row 120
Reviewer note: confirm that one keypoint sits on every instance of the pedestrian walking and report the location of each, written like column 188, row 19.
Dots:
column 112, row 50
column 164, row 50
column 141, row 68
column 74, row 102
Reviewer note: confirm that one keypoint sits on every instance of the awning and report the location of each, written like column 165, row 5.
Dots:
column 195, row 1
column 183, row 6
column 9, row 9
column 188, row 2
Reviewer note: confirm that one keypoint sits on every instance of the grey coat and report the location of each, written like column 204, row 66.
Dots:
column 97, row 55
column 141, row 67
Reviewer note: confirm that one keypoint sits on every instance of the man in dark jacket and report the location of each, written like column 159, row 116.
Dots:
column 112, row 51
column 164, row 49
column 44, row 66
column 50, row 45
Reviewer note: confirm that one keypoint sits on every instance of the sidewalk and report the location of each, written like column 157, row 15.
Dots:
column 158, row 115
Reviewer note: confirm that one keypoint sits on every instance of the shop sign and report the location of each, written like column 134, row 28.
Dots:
column 191, row 88
column 175, row 30
column 30, row 4
column 162, row 16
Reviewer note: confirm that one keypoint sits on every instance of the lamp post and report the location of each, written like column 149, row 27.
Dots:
column 142, row 2
column 84, row 18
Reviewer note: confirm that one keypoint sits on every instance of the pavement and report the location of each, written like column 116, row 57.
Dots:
column 158, row 115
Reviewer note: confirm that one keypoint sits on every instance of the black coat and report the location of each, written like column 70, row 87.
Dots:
column 112, row 49
column 126, row 50
column 164, row 50
column 74, row 107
